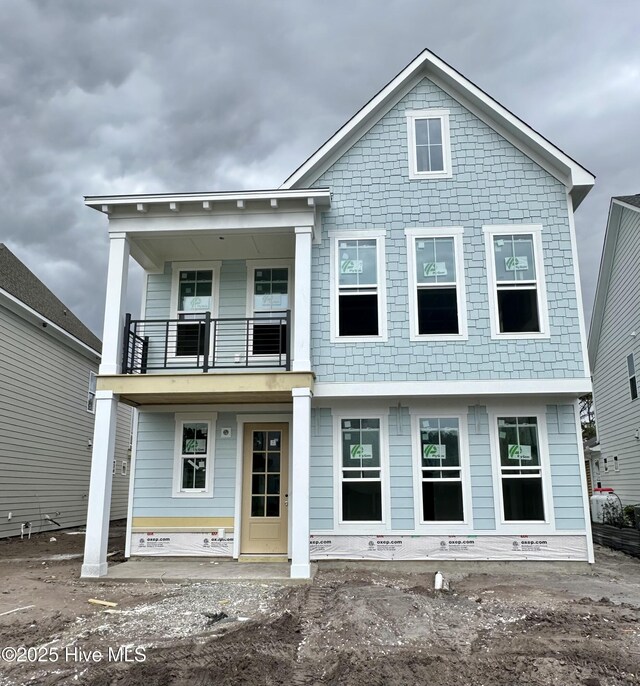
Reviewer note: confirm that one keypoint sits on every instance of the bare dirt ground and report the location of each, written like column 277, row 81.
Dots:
column 350, row 627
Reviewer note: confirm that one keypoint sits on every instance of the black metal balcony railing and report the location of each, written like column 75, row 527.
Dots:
column 206, row 344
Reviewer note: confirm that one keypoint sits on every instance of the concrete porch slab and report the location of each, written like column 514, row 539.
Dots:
column 201, row 569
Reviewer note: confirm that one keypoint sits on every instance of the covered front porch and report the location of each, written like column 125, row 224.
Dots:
column 211, row 340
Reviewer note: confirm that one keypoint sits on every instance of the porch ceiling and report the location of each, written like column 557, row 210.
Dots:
column 186, row 389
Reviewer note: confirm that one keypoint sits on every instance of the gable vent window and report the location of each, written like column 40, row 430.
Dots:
column 429, row 149
column 633, row 386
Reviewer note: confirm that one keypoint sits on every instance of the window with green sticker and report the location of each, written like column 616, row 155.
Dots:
column 361, row 471
column 193, row 455
column 358, row 282
column 520, row 469
column 441, row 470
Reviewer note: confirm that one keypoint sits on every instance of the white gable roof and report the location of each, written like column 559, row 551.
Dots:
column 575, row 177
column 618, row 205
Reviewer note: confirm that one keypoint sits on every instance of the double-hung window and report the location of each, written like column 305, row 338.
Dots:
column 360, row 471
column 441, row 470
column 516, row 278
column 91, row 393
column 270, row 304
column 521, row 469
column 358, row 282
column 195, row 291
column 193, row 455
column 631, row 368
column 428, row 141
column 436, row 283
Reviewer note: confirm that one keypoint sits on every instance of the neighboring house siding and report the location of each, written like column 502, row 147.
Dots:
column 617, row 416
column 45, row 430
column 120, row 486
column 492, row 183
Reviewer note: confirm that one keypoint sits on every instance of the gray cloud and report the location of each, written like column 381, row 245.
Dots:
column 116, row 97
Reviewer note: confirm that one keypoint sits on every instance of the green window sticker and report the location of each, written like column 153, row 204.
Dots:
column 519, row 452
column 516, row 264
column 433, row 451
column 435, row 268
column 361, row 451
column 351, row 266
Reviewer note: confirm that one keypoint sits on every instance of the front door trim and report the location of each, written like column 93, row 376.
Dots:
column 241, row 420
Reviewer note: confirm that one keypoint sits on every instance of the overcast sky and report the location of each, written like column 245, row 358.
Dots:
column 155, row 96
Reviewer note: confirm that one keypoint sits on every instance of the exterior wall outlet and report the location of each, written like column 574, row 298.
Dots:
column 225, row 432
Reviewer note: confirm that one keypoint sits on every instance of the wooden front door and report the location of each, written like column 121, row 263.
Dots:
column 265, row 488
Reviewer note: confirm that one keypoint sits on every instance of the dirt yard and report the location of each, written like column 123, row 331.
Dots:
column 350, row 627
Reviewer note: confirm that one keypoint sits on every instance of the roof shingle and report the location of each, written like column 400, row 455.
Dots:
column 23, row 284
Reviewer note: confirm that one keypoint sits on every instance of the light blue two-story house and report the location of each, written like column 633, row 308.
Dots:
column 381, row 359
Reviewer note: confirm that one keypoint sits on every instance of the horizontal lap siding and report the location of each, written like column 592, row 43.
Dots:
column 617, row 416
column 401, row 470
column 482, row 496
column 45, row 430
column 321, row 470
column 564, row 458
column 153, row 496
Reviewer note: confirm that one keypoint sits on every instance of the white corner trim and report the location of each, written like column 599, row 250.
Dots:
column 576, row 274
column 443, row 116
column 583, row 483
column 413, row 234
column 471, row 388
column 534, row 230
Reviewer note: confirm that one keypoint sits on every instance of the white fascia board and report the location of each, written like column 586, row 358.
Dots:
column 519, row 387
column 16, row 306
column 604, row 275
column 429, row 65
column 321, row 196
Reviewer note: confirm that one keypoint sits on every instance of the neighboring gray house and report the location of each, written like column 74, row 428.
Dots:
column 614, row 351
column 48, row 362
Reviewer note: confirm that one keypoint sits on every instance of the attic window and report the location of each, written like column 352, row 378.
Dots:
column 429, row 147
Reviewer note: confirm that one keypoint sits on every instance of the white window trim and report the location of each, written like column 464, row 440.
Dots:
column 379, row 235
column 176, row 268
column 534, row 230
column 413, row 234
column 441, row 527
column 525, row 526
column 180, row 420
column 252, row 265
column 443, row 115
column 93, row 379
column 362, row 528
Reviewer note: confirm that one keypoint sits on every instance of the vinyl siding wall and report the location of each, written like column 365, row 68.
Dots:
column 46, row 431
column 617, row 416
column 155, row 461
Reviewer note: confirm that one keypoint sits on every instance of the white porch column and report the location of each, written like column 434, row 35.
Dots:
column 300, row 567
column 114, row 307
column 302, row 304
column 104, row 436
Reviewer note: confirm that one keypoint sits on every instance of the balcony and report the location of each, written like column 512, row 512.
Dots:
column 204, row 344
